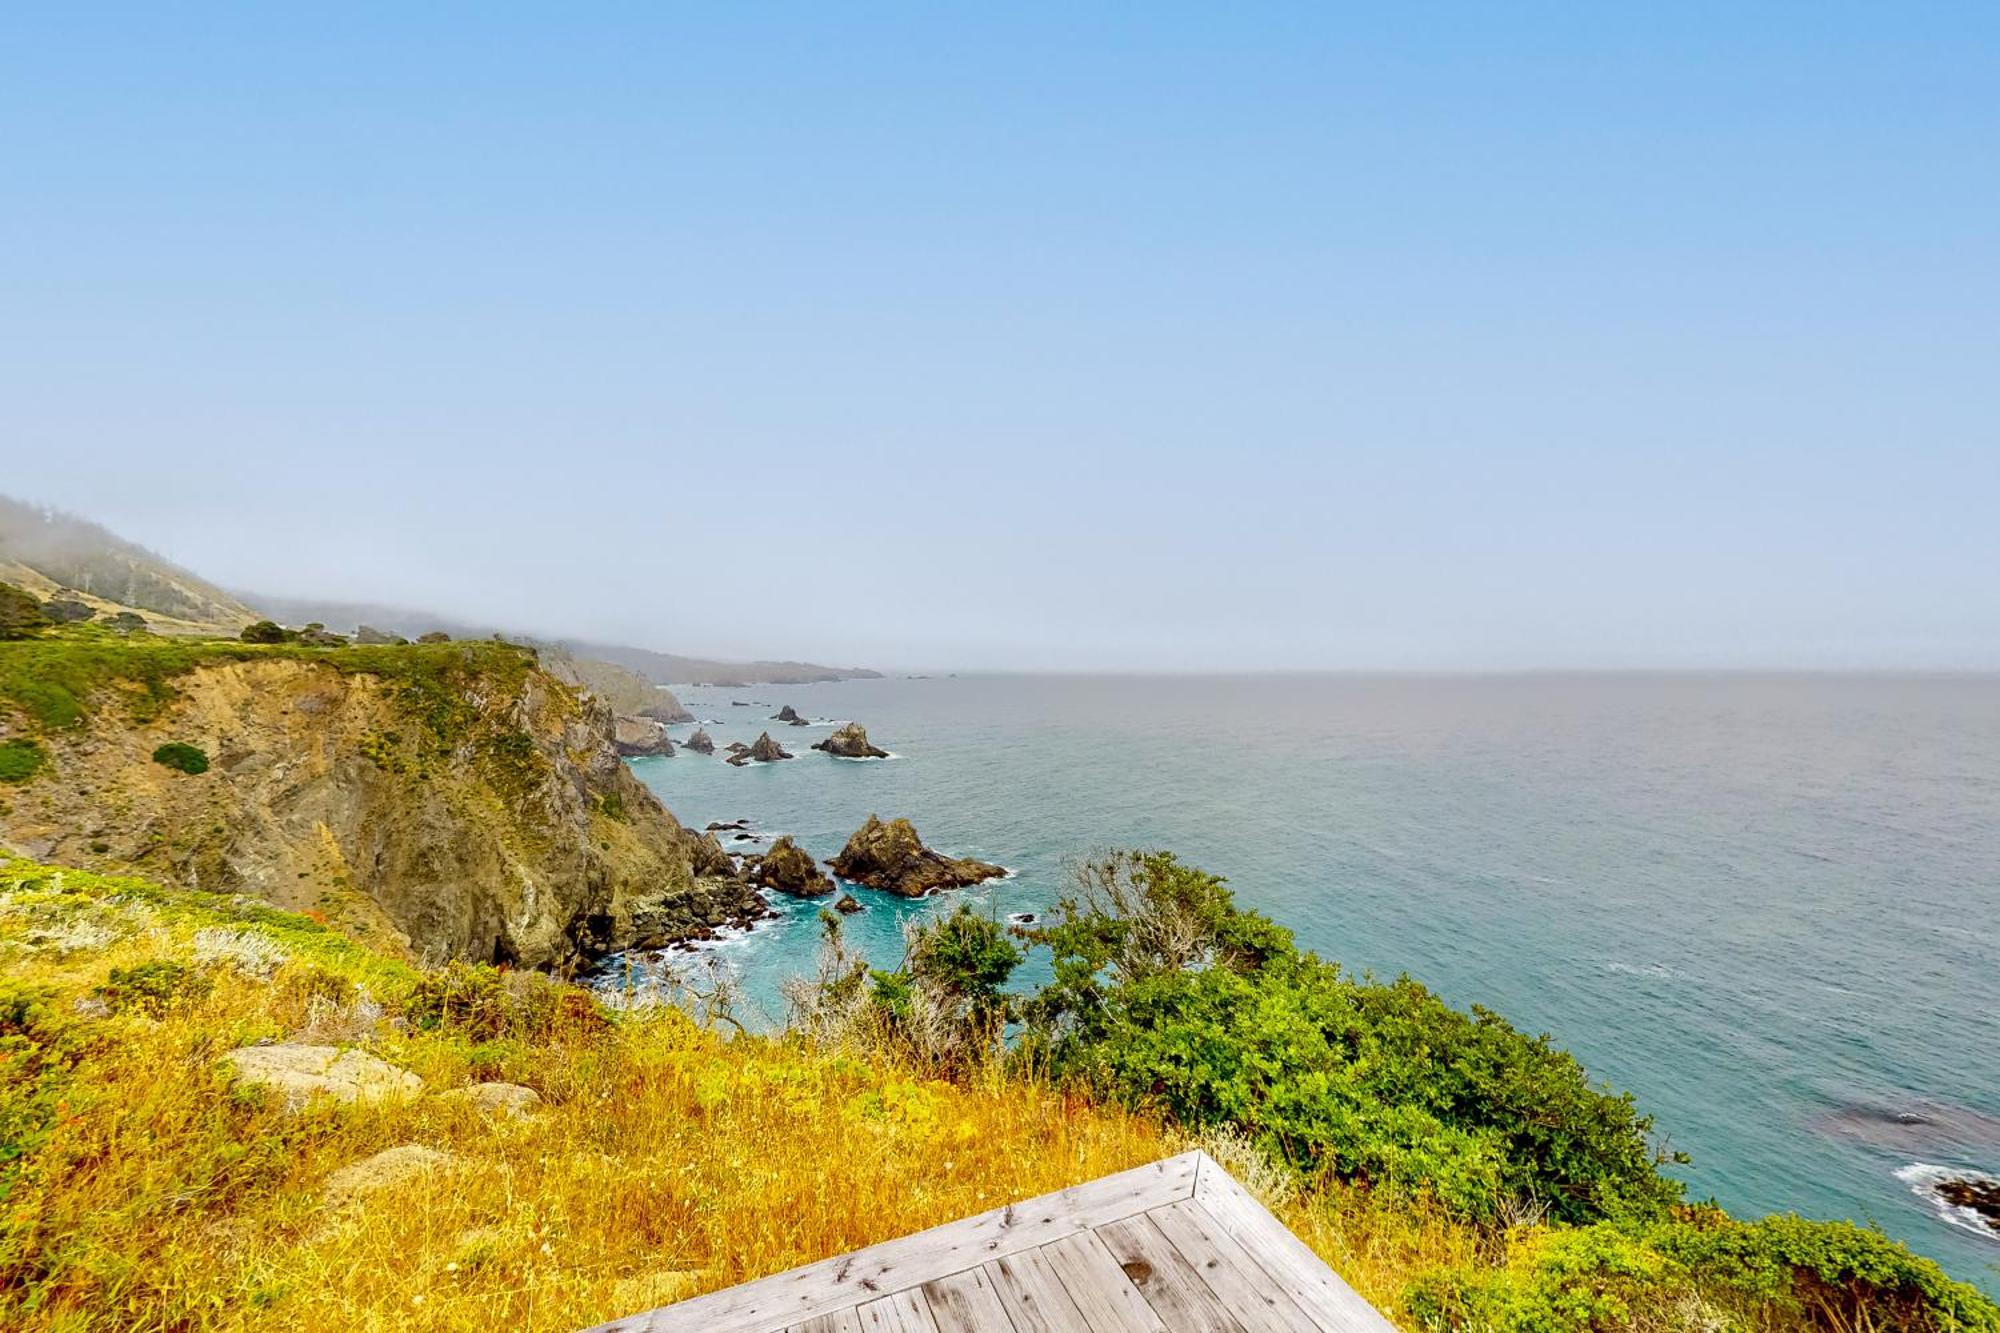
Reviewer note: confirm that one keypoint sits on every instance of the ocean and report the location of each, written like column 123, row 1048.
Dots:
column 1768, row 905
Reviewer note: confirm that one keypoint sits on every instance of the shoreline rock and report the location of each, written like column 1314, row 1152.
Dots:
column 789, row 868
column 851, row 742
column 699, row 742
column 641, row 737
column 890, row 856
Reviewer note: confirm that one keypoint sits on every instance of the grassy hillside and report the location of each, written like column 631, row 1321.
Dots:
column 141, row 1188
column 46, row 551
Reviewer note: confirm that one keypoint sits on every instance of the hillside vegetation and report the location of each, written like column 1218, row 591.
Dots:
column 141, row 1188
column 540, row 1160
column 47, row 552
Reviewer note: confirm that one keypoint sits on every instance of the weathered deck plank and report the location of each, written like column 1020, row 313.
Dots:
column 1169, row 1284
column 1238, row 1282
column 1333, row 1306
column 966, row 1303
column 1034, row 1294
column 840, row 1321
column 899, row 1312
column 1099, row 1286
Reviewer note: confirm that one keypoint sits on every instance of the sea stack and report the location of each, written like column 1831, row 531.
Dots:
column 699, row 742
column 765, row 750
column 851, row 742
column 890, row 856
column 789, row 868
column 789, row 714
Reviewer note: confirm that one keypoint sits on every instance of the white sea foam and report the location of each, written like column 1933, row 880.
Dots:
column 1924, row 1179
column 1658, row 971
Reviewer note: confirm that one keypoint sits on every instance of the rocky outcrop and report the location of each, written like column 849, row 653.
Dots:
column 791, row 715
column 763, row 750
column 66, row 611
column 699, row 742
column 851, row 742
column 368, row 634
column 846, row 905
column 472, row 807
column 299, row 1073
column 1978, row 1195
column 890, row 856
column 706, row 858
column 666, row 709
column 641, row 736
column 789, row 868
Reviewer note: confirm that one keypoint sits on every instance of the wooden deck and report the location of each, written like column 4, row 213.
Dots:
column 1177, row 1245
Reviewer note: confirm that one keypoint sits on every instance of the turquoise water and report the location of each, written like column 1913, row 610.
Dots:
column 1768, row 905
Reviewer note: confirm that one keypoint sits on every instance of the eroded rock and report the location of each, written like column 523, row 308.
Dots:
column 789, row 868
column 890, row 856
column 636, row 737
column 851, row 742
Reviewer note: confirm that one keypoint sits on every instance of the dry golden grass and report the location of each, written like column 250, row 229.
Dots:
column 666, row 1161
column 140, row 1189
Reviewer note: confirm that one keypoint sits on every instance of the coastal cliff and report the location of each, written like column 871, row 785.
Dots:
column 450, row 801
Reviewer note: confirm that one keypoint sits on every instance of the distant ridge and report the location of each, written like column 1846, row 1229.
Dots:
column 660, row 668
column 47, row 551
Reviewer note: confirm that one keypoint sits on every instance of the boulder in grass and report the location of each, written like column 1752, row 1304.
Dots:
column 300, row 1072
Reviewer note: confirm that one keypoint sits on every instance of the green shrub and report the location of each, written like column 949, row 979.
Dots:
column 40, row 1047
column 182, row 756
column 486, row 1005
column 21, row 614
column 155, row 988
column 1167, row 996
column 20, row 760
column 265, row 631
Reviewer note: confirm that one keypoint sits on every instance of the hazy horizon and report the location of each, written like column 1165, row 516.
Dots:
column 1290, row 340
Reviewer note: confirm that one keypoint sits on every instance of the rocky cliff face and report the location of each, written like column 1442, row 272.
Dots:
column 469, row 806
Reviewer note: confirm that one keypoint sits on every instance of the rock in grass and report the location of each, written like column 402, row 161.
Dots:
column 500, row 1100
column 300, row 1073
column 391, row 1166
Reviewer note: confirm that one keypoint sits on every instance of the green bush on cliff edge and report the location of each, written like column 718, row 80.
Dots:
column 182, row 756
column 20, row 760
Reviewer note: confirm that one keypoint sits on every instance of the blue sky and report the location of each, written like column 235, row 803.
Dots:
column 1174, row 337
